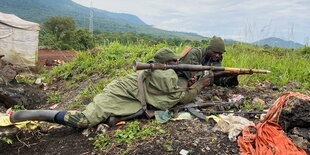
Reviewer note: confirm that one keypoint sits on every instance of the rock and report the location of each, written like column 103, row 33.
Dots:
column 236, row 98
column 21, row 94
column 183, row 152
column 295, row 114
column 38, row 81
column 86, row 132
column 102, row 128
column 7, row 72
column 294, row 119
column 257, row 100
column 8, row 131
column 300, row 141
column 303, row 132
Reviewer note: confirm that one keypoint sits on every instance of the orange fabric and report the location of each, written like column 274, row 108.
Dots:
column 269, row 138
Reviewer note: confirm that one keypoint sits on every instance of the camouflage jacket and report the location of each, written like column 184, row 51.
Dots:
column 197, row 56
column 121, row 97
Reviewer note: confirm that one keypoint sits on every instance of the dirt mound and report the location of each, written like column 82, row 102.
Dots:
column 54, row 57
column 295, row 121
column 64, row 140
column 295, row 114
column 21, row 94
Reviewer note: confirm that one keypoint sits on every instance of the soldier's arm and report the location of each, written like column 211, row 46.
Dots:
column 192, row 92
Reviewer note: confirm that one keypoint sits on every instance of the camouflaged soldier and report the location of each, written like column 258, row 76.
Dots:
column 126, row 96
column 210, row 55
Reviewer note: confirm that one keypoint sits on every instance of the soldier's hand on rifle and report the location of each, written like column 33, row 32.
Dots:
column 206, row 80
column 191, row 81
column 226, row 74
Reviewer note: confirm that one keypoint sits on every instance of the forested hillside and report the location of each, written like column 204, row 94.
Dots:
column 39, row 11
column 272, row 41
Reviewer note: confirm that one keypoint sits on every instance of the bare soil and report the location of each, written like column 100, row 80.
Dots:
column 195, row 136
column 50, row 57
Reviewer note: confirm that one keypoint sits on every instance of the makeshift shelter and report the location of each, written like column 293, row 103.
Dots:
column 18, row 40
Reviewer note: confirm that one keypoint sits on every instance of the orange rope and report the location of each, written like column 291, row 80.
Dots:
column 269, row 138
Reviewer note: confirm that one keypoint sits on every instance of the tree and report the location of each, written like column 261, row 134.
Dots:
column 83, row 40
column 59, row 26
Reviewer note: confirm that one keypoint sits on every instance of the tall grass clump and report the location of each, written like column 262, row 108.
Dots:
column 286, row 65
column 109, row 61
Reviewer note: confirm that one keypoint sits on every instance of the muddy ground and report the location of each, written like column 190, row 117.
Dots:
column 195, row 136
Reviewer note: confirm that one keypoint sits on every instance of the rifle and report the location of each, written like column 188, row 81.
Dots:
column 188, row 67
column 201, row 105
column 191, row 108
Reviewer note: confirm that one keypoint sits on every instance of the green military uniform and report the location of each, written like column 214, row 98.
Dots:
column 198, row 56
column 124, row 97
column 121, row 97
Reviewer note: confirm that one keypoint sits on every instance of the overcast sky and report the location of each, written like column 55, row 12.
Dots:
column 243, row 20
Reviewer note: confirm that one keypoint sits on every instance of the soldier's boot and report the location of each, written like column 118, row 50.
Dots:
column 113, row 120
column 69, row 118
column 31, row 115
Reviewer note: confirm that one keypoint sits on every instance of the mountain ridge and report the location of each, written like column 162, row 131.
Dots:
column 39, row 11
column 277, row 42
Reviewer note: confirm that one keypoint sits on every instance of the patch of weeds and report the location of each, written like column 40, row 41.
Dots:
column 53, row 97
column 167, row 145
column 101, row 141
column 24, row 79
column 75, row 105
column 133, row 131
column 41, row 70
column 7, row 140
column 212, row 140
column 18, row 107
column 79, row 77
column 229, row 107
column 128, row 134
column 248, row 105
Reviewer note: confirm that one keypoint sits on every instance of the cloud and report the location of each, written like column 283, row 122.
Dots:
column 249, row 20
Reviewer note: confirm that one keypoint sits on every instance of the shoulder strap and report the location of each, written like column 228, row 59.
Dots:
column 141, row 94
column 185, row 51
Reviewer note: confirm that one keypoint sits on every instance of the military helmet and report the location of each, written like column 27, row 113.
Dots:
column 217, row 45
column 164, row 55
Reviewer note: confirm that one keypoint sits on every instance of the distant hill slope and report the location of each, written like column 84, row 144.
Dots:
column 277, row 42
column 230, row 41
column 40, row 10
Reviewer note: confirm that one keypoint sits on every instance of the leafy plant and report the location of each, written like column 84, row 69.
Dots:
column 7, row 140
column 212, row 140
column 133, row 131
column 128, row 134
column 18, row 107
column 24, row 79
column 101, row 141
column 53, row 97
column 167, row 145
column 248, row 105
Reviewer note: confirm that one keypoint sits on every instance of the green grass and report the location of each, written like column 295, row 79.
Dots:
column 286, row 65
column 53, row 97
column 114, row 60
column 130, row 133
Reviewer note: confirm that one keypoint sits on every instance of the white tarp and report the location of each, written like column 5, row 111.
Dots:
column 18, row 40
